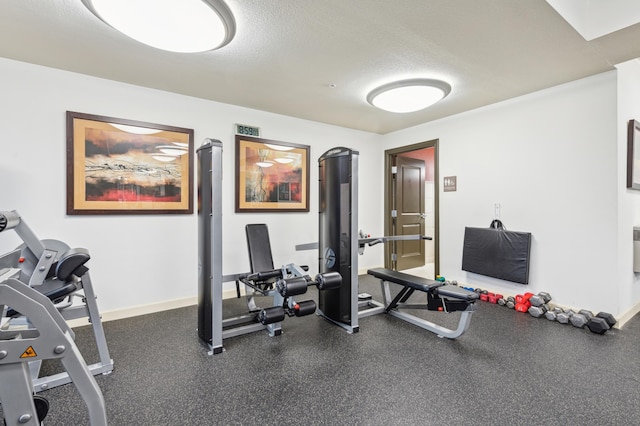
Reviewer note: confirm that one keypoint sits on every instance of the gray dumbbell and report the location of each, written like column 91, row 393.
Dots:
column 540, row 299
column 537, row 311
column 578, row 320
column 563, row 317
column 550, row 315
column 587, row 314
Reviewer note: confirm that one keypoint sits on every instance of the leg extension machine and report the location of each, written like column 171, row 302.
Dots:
column 280, row 284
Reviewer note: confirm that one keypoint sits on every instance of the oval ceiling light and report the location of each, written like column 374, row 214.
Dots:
column 408, row 95
column 186, row 26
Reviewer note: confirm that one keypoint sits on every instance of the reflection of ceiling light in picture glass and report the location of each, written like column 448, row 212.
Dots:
column 163, row 157
column 264, row 164
column 135, row 129
column 279, row 147
column 172, row 150
column 284, row 160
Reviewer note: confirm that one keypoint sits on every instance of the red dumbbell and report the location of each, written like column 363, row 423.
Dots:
column 522, row 298
column 494, row 297
column 486, row 297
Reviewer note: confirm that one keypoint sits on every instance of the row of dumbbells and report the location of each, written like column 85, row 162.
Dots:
column 598, row 324
column 534, row 304
column 537, row 305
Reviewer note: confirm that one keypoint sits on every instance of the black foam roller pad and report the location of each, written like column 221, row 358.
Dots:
column 306, row 307
column 291, row 286
column 271, row 315
column 328, row 280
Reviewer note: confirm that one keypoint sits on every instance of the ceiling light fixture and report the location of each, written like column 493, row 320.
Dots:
column 185, row 26
column 408, row 95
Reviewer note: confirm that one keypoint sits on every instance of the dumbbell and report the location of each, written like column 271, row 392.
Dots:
column 490, row 297
column 601, row 323
column 538, row 311
column 495, row 298
column 564, row 317
column 511, row 302
column 588, row 314
column 523, row 298
column 578, row 320
column 540, row 299
column 522, row 302
column 552, row 313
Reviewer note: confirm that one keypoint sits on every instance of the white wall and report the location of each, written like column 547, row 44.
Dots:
column 549, row 159
column 628, row 199
column 142, row 260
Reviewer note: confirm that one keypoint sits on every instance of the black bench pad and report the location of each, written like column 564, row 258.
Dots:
column 456, row 292
column 418, row 283
column 424, row 284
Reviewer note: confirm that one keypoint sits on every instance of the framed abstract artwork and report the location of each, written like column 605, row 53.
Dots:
column 271, row 176
column 120, row 166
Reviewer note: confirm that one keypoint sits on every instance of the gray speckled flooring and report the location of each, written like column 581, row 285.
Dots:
column 509, row 368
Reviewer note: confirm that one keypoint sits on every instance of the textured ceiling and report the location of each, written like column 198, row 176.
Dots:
column 287, row 53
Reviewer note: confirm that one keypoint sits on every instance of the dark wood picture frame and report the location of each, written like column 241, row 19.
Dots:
column 271, row 176
column 633, row 154
column 120, row 166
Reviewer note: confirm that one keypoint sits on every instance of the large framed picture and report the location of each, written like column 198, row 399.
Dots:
column 120, row 166
column 271, row 176
column 633, row 154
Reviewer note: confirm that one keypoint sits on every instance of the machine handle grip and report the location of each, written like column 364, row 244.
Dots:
column 264, row 275
column 9, row 220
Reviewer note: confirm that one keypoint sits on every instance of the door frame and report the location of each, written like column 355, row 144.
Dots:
column 388, row 157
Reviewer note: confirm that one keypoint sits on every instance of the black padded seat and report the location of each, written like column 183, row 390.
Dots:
column 455, row 292
column 441, row 297
column 424, row 284
column 417, row 283
column 259, row 245
column 55, row 290
column 72, row 263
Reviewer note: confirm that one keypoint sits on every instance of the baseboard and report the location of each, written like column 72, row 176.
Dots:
column 146, row 309
column 624, row 318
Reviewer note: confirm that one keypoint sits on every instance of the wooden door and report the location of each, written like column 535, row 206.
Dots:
column 409, row 211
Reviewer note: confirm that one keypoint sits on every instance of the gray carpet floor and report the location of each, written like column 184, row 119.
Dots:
column 508, row 368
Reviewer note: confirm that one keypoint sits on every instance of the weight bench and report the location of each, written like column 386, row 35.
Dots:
column 440, row 297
